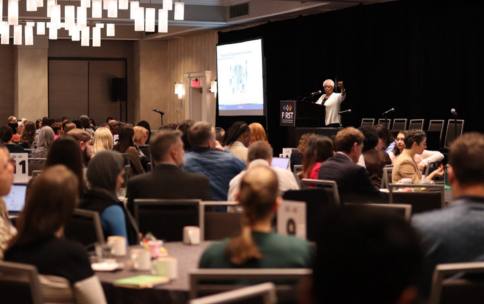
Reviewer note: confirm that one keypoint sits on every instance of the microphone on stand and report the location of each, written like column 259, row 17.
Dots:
column 316, row 93
column 388, row 111
column 345, row 111
column 158, row 111
column 454, row 112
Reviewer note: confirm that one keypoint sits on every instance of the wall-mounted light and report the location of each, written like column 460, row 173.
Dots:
column 179, row 90
column 213, row 87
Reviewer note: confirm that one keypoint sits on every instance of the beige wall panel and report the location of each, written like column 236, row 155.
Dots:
column 68, row 88
column 7, row 64
column 162, row 63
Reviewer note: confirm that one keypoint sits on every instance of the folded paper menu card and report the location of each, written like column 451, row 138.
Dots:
column 141, row 281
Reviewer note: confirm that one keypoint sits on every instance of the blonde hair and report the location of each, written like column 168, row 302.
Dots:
column 140, row 134
column 257, row 132
column 259, row 190
column 103, row 140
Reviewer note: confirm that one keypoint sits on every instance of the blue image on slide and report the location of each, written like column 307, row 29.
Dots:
column 238, row 79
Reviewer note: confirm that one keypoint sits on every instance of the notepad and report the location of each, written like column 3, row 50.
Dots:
column 141, row 281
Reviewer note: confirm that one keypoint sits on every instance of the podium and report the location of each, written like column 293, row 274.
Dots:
column 303, row 117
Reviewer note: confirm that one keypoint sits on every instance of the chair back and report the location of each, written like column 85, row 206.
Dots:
column 436, row 125
column 386, row 176
column 165, row 218
column 422, row 198
column 455, row 127
column 220, row 225
column 416, row 124
column 387, row 122
column 323, row 183
column 367, row 122
column 467, row 288
column 264, row 293
column 402, row 210
column 36, row 164
column 19, row 283
column 317, row 200
column 210, row 281
column 399, row 124
column 85, row 227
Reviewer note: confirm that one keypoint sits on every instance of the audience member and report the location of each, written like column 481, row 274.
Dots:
column 85, row 122
column 219, row 134
column 237, row 139
column 57, row 128
column 384, row 137
column 184, row 127
column 140, row 135
column 220, row 167
column 85, row 142
column 365, row 257
column 319, row 148
column 126, row 146
column 68, row 126
column 405, row 167
column 455, row 234
column 146, row 125
column 39, row 241
column 28, row 135
column 373, row 158
column 6, row 180
column 257, row 246
column 167, row 180
column 44, row 141
column 66, row 151
column 103, row 140
column 105, row 175
column 260, row 154
column 353, row 181
column 257, row 132
column 297, row 154
column 423, row 159
column 6, row 135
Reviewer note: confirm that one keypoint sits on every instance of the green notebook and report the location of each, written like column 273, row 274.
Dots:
column 141, row 281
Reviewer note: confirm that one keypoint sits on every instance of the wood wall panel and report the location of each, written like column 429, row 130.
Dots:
column 7, row 62
column 162, row 63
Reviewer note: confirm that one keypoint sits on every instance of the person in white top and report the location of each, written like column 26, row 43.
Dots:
column 260, row 154
column 423, row 160
column 332, row 101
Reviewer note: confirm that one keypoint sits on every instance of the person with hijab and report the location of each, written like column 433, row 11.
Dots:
column 105, row 175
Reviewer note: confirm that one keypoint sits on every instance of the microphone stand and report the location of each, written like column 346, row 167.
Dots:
column 161, row 116
column 455, row 127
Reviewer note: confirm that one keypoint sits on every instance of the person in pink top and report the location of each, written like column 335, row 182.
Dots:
column 319, row 148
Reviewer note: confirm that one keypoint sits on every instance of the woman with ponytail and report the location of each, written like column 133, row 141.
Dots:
column 257, row 246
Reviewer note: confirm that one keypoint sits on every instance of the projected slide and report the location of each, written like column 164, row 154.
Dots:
column 240, row 79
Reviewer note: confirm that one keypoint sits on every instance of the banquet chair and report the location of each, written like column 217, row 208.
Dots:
column 220, row 225
column 210, row 281
column 455, row 127
column 367, row 122
column 165, row 218
column 416, row 124
column 457, row 283
column 264, row 293
column 401, row 210
column 19, row 283
column 399, row 124
column 422, row 197
column 85, row 227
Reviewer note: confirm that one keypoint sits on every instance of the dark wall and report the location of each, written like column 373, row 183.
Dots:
column 421, row 57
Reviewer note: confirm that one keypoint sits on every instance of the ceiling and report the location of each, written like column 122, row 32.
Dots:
column 209, row 14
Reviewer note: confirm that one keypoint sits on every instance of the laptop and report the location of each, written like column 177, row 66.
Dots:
column 280, row 162
column 15, row 200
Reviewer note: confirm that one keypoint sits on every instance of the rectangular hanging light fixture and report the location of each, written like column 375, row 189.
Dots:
column 81, row 16
column 139, row 21
column 86, row 3
column 110, row 30
column 29, row 33
column 97, row 9
column 13, row 12
column 123, row 4
column 69, row 16
column 31, row 5
column 179, row 11
column 168, row 5
column 150, row 19
column 96, row 36
column 5, row 32
column 17, row 34
column 134, row 6
column 112, row 8
column 162, row 21
column 53, row 28
column 85, row 31
column 40, row 28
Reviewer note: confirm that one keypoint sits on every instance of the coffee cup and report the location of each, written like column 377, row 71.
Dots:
column 118, row 245
column 141, row 259
column 191, row 235
column 166, row 267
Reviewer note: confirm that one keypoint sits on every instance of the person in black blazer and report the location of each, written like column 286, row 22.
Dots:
column 353, row 181
column 167, row 180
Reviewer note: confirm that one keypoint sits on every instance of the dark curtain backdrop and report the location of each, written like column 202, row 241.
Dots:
column 421, row 57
